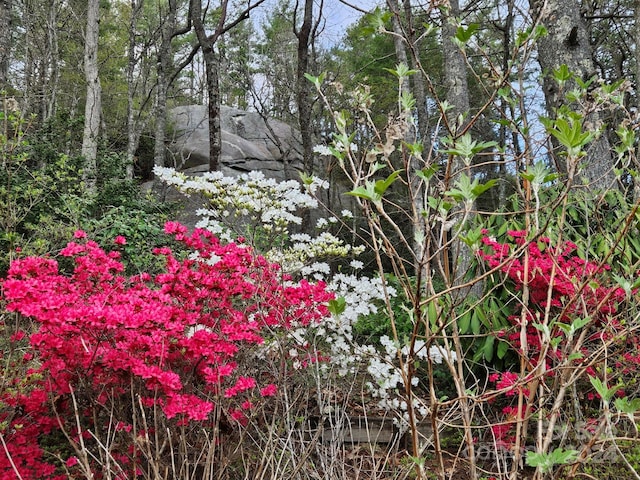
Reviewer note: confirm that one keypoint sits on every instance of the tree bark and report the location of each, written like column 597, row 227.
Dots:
column 636, row 36
column 458, row 259
column 5, row 41
column 567, row 42
column 303, row 85
column 93, row 103
column 211, row 73
column 457, row 256
column 163, row 66
column 455, row 73
column 133, row 132
column 417, row 80
column 211, row 63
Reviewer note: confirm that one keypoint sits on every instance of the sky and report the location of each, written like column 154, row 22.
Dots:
column 338, row 16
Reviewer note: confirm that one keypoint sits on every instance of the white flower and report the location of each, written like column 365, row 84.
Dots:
column 322, row 150
column 356, row 264
column 346, row 214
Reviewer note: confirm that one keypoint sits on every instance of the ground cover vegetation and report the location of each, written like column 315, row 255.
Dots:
column 458, row 261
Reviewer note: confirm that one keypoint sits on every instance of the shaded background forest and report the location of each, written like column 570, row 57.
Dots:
column 87, row 87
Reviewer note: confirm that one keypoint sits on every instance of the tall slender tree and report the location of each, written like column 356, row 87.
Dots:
column 6, row 12
column 93, row 104
column 567, row 43
column 305, row 34
column 207, row 42
column 168, row 31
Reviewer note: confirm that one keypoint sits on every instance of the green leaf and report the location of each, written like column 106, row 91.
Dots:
column 466, row 147
column 626, row 406
column 463, row 35
column 464, row 322
column 546, row 461
column 466, row 190
column 568, row 131
column 562, row 74
column 381, row 186
column 539, row 174
column 377, row 20
column 487, row 348
column 401, row 71
column 337, row 306
column 427, row 173
column 317, row 81
column 605, row 393
column 483, row 187
column 306, row 179
column 432, row 314
column 475, row 324
column 414, row 149
column 368, row 192
column 503, row 348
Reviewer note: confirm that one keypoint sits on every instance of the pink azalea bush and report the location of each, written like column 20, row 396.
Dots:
column 170, row 341
column 570, row 288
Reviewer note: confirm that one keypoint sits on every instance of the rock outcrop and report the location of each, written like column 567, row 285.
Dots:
column 248, row 143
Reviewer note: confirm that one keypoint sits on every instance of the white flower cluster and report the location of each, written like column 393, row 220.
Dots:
column 252, row 199
column 361, row 295
column 389, row 377
column 299, row 256
column 249, row 196
column 259, row 207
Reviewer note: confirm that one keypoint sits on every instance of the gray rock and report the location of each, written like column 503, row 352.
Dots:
column 248, row 143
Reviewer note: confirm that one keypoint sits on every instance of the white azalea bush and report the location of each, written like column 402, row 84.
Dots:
column 263, row 212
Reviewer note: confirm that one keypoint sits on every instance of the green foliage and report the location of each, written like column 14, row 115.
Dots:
column 143, row 230
column 369, row 328
column 44, row 199
column 466, row 147
column 466, row 190
column 374, row 191
column 547, row 461
column 367, row 55
column 606, row 393
column 569, row 130
column 31, row 189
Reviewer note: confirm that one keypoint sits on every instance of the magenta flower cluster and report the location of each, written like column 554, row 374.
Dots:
column 171, row 339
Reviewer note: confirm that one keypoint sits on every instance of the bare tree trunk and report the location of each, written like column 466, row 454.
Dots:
column 303, row 86
column 455, row 73
column 567, row 42
column 93, row 103
column 458, row 258
column 166, row 74
column 211, row 73
column 5, row 41
column 162, row 70
column 211, row 63
column 29, row 94
column 133, row 132
column 398, row 40
column 53, row 55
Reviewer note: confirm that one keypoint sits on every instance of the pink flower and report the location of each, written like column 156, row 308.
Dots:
column 16, row 337
column 71, row 461
column 269, row 391
column 79, row 234
column 172, row 338
column 238, row 416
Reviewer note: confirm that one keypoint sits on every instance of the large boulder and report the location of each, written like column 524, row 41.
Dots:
column 249, row 142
